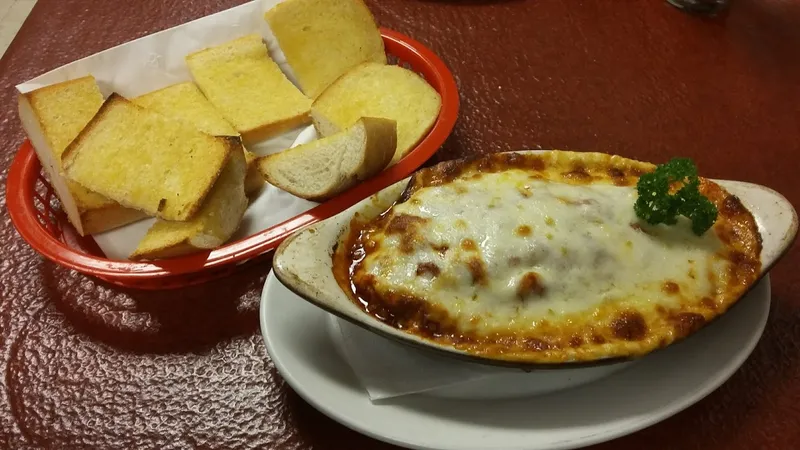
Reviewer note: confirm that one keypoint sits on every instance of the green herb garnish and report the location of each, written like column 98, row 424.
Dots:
column 656, row 205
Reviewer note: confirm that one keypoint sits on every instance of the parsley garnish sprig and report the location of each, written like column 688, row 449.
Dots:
column 656, row 205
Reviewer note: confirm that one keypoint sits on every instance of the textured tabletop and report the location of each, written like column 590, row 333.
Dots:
column 86, row 365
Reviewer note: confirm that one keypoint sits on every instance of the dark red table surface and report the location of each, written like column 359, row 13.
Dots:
column 87, row 365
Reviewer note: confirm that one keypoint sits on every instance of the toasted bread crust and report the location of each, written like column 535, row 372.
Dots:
column 185, row 102
column 219, row 217
column 177, row 247
column 268, row 101
column 412, row 102
column 229, row 142
column 322, row 39
column 89, row 212
column 68, row 156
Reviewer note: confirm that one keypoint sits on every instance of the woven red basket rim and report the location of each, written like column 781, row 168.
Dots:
column 25, row 168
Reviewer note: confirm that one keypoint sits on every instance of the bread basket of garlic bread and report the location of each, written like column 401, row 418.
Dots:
column 175, row 158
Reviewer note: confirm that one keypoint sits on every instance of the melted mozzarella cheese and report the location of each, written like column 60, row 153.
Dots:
column 507, row 251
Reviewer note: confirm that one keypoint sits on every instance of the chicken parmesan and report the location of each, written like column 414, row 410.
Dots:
column 540, row 258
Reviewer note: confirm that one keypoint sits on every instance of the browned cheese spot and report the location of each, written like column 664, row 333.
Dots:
column 536, row 344
column 488, row 164
column 370, row 245
column 523, row 230
column 743, row 268
column 477, row 270
column 536, row 163
column 598, row 339
column 440, row 248
column 687, row 323
column 402, row 223
column 428, row 268
column 408, row 242
column 709, row 303
column 670, row 287
column 469, row 245
column 618, row 176
column 504, row 341
column 449, row 171
column 530, row 284
column 732, row 207
column 630, row 326
column 406, row 226
column 575, row 341
column 514, row 160
column 577, row 174
column 729, row 233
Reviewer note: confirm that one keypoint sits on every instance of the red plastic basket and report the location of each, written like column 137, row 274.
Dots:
column 35, row 210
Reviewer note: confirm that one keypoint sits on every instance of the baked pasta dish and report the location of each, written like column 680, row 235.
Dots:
column 545, row 257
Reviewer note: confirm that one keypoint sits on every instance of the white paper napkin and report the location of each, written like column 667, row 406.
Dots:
column 388, row 369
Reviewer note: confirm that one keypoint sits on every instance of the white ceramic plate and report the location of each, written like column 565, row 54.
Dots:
column 660, row 385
